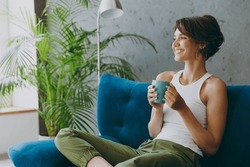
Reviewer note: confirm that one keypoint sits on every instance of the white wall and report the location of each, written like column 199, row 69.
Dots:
column 4, row 34
column 23, row 97
column 16, row 128
column 4, row 28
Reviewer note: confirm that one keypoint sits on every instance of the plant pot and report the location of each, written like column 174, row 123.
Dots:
column 40, row 137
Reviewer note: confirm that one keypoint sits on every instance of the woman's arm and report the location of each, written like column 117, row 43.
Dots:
column 156, row 120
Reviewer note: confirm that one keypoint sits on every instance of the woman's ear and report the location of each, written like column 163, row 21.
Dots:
column 202, row 45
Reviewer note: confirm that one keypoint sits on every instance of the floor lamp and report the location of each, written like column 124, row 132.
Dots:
column 107, row 9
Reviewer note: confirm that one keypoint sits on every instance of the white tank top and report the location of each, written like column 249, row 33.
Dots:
column 174, row 128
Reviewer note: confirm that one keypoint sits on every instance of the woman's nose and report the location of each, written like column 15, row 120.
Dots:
column 175, row 43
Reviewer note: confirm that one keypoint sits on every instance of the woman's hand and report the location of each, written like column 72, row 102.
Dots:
column 152, row 96
column 156, row 120
column 173, row 99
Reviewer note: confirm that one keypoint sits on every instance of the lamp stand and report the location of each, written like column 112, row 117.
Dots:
column 107, row 9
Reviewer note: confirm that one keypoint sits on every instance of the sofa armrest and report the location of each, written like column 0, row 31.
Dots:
column 42, row 153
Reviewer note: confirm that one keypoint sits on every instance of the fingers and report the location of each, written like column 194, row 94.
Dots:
column 170, row 94
column 171, row 88
column 152, row 96
column 171, row 91
column 173, row 98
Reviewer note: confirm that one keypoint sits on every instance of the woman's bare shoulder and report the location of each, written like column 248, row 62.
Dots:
column 166, row 76
column 215, row 84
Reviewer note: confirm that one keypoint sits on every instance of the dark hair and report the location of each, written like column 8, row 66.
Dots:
column 204, row 29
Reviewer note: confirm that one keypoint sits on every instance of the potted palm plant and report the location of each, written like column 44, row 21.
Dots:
column 65, row 69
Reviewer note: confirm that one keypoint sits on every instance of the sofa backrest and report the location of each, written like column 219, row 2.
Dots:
column 123, row 110
column 235, row 147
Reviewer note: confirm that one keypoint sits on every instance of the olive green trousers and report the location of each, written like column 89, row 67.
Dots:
column 80, row 147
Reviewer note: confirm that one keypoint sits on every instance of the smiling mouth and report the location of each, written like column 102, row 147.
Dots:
column 178, row 51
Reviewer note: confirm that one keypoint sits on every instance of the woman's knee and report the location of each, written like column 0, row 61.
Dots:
column 64, row 132
column 62, row 136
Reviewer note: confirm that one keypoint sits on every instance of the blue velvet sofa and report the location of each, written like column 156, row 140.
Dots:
column 123, row 113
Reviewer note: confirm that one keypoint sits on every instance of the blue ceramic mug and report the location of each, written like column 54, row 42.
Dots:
column 160, row 88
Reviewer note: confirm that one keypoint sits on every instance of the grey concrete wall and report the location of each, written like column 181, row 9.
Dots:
column 155, row 19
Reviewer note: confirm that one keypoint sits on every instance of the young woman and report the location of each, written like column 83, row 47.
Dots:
column 189, row 124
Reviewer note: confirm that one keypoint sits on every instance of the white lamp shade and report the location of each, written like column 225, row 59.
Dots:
column 110, row 9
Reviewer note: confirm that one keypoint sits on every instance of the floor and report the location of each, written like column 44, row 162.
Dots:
column 5, row 161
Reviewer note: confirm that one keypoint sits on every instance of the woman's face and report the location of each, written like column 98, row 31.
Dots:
column 184, row 47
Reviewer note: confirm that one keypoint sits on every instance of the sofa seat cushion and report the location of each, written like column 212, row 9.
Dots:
column 42, row 153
